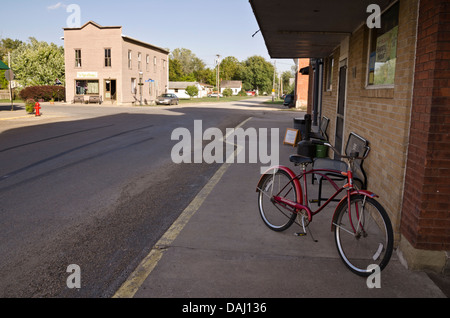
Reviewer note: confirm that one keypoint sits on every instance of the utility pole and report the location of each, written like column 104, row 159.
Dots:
column 218, row 76
column 9, row 82
column 280, row 87
column 274, row 76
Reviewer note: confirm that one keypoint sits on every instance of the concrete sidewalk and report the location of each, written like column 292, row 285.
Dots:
column 220, row 248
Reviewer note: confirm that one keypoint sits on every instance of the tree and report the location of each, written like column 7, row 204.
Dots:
column 6, row 46
column 38, row 63
column 192, row 91
column 189, row 62
column 286, row 79
column 229, row 68
column 206, row 76
column 257, row 73
column 175, row 70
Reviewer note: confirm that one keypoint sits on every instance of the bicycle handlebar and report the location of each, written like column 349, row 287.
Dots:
column 353, row 155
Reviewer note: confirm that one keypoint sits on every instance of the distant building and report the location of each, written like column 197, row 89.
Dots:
column 179, row 89
column 235, row 86
column 301, row 83
column 103, row 64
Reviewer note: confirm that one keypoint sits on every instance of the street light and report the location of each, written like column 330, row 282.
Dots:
column 140, row 87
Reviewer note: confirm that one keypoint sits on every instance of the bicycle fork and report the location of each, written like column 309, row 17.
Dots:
column 359, row 214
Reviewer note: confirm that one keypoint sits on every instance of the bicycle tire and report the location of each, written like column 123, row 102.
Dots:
column 367, row 242
column 274, row 216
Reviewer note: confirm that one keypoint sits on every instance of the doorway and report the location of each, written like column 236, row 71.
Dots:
column 110, row 90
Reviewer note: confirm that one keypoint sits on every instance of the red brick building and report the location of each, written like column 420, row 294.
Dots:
column 391, row 85
column 301, row 84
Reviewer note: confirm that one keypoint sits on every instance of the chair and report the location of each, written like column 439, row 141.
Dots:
column 355, row 143
column 322, row 134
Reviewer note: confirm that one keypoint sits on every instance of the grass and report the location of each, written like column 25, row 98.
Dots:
column 278, row 101
column 8, row 101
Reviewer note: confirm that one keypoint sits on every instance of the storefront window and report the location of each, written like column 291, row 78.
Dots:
column 84, row 87
column 383, row 49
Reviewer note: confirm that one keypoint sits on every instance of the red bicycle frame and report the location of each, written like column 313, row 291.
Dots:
column 298, row 206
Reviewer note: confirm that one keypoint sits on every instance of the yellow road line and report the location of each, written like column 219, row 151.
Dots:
column 137, row 278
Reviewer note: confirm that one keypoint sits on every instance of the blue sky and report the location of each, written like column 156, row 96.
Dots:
column 206, row 27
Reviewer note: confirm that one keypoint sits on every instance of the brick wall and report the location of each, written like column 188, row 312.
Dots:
column 302, row 82
column 381, row 115
column 426, row 207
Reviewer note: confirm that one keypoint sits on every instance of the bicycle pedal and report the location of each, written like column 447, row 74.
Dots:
column 313, row 201
column 299, row 234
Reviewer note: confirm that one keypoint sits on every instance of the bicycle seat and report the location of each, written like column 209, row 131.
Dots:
column 300, row 160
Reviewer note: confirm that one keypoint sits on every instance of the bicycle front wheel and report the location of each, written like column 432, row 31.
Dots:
column 275, row 216
column 364, row 236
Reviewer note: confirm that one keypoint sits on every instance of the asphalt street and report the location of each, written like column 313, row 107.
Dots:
column 96, row 187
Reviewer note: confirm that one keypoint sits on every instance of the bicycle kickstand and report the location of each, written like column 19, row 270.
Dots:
column 306, row 229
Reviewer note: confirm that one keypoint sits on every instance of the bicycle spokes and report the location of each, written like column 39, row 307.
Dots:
column 363, row 234
column 275, row 215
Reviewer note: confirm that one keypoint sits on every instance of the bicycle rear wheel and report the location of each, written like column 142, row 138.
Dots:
column 276, row 217
column 365, row 237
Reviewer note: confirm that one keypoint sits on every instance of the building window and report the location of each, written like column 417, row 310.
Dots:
column 154, row 63
column 329, row 73
column 130, row 61
column 139, row 61
column 148, row 63
column 133, row 86
column 78, row 58
column 108, row 58
column 383, row 49
column 84, row 87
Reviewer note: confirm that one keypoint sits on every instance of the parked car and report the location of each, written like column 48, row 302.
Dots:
column 289, row 101
column 214, row 95
column 167, row 99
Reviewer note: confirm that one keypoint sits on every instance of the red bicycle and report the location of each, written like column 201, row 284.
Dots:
column 362, row 228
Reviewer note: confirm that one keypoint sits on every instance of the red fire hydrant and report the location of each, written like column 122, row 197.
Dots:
column 37, row 107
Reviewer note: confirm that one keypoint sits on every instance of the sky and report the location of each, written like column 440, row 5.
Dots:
column 206, row 27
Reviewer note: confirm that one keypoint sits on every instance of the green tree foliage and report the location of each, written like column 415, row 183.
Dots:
column 285, row 78
column 192, row 91
column 38, row 63
column 230, row 68
column 227, row 92
column 189, row 62
column 255, row 72
column 6, row 46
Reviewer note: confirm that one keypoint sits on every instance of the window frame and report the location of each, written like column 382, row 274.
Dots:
column 108, row 57
column 130, row 59
column 371, row 50
column 78, row 59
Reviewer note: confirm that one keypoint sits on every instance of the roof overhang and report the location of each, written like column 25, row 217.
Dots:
column 309, row 29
